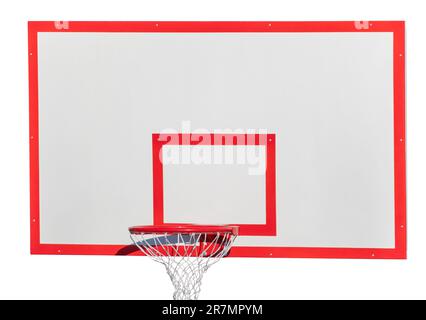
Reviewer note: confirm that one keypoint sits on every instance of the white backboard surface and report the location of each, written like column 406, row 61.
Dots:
column 327, row 98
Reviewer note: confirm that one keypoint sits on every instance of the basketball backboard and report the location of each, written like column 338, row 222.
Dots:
column 293, row 131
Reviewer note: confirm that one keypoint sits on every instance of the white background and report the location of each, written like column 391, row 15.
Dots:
column 63, row 277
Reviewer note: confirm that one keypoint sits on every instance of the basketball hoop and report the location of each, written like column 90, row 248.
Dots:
column 186, row 250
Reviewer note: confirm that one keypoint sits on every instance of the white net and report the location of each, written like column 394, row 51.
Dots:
column 186, row 256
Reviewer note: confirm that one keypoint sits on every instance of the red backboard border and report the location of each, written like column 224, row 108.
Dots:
column 395, row 27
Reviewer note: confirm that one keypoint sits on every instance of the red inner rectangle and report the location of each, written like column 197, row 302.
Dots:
column 268, row 140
